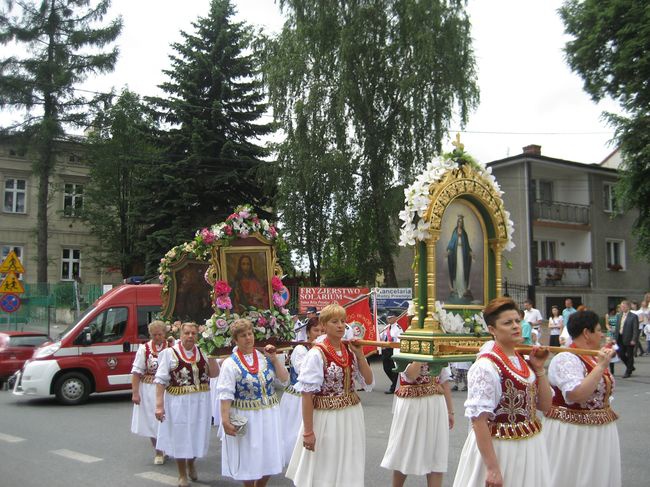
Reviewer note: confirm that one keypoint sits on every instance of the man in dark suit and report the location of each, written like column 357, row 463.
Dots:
column 627, row 335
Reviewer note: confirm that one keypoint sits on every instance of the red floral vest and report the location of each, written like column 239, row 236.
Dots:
column 150, row 361
column 591, row 412
column 515, row 415
column 424, row 385
column 189, row 376
column 337, row 390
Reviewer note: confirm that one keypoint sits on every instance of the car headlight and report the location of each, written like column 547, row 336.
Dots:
column 46, row 351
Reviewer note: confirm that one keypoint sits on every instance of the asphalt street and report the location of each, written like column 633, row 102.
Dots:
column 45, row 444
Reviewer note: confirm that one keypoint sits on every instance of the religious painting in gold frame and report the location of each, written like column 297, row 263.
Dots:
column 461, row 257
column 248, row 270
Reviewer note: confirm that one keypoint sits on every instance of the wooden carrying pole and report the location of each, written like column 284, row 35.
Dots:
column 521, row 349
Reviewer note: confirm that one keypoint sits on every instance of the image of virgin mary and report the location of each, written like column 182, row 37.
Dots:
column 459, row 262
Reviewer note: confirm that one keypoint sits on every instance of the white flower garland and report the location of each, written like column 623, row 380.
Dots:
column 414, row 227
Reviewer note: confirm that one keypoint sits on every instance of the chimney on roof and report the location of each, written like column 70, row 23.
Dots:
column 532, row 150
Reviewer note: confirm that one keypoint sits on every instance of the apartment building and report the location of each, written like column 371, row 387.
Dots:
column 70, row 242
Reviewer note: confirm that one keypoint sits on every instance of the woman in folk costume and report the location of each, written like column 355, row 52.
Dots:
column 423, row 414
column 183, row 402
column 246, row 391
column 580, row 428
column 291, row 402
column 145, row 365
column 333, row 447
column 504, row 446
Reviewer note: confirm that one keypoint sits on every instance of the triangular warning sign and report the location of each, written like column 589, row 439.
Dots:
column 11, row 264
column 11, row 284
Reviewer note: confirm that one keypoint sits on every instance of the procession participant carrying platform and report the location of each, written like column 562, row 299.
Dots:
column 291, row 402
column 183, row 402
column 331, row 446
column 145, row 365
column 422, row 414
column 246, row 390
column 580, row 427
column 505, row 446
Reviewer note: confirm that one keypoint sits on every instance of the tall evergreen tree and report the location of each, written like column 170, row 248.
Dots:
column 121, row 153
column 381, row 79
column 213, row 105
column 60, row 43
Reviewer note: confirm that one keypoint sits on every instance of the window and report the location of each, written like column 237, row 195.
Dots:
column 14, row 201
column 108, row 326
column 4, row 252
column 609, row 198
column 73, row 199
column 70, row 264
column 146, row 314
column 544, row 250
column 543, row 190
column 615, row 255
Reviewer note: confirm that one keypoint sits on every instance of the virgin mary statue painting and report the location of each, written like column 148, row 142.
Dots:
column 459, row 261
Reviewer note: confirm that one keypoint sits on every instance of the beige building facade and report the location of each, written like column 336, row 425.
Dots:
column 70, row 241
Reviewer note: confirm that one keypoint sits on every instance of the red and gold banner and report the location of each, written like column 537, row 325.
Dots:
column 360, row 319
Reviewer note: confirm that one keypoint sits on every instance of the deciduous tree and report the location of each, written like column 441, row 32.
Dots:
column 378, row 81
column 610, row 50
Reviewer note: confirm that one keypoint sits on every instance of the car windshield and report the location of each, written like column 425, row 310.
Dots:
column 65, row 332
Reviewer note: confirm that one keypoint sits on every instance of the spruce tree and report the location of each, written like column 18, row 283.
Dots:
column 213, row 105
column 61, row 49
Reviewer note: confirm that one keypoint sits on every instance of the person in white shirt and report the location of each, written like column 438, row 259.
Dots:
column 391, row 333
column 533, row 316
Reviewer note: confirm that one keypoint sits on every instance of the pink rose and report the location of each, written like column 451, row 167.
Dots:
column 277, row 300
column 223, row 302
column 232, row 217
column 207, row 236
column 261, row 321
column 256, row 220
column 272, row 231
column 284, row 311
column 244, row 214
column 221, row 288
column 276, row 283
column 273, row 322
column 228, row 230
column 221, row 323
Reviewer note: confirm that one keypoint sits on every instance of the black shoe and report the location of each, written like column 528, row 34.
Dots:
column 625, row 376
column 389, row 391
column 633, row 368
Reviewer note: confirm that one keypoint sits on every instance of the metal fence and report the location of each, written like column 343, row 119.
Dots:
column 43, row 305
column 518, row 292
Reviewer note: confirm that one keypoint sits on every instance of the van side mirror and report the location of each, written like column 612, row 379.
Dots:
column 126, row 347
column 86, row 337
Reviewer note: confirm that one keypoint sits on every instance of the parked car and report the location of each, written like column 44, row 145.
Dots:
column 16, row 347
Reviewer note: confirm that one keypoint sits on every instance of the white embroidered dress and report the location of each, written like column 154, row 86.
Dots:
column 291, row 404
column 581, row 455
column 143, row 419
column 339, row 457
column 259, row 451
column 185, row 432
column 523, row 462
column 418, row 442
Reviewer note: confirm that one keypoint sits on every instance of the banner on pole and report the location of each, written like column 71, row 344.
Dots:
column 361, row 322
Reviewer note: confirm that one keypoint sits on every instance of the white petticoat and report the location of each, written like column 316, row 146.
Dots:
column 291, row 412
column 259, row 452
column 583, row 456
column 523, row 463
column 418, row 442
column 340, row 454
column 185, row 432
column 143, row 420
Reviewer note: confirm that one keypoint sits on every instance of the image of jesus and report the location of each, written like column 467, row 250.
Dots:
column 248, row 289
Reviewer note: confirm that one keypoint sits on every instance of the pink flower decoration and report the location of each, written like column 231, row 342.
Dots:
column 273, row 322
column 223, row 302
column 256, row 220
column 232, row 217
column 284, row 311
column 272, row 231
column 221, row 323
column 207, row 236
column 228, row 230
column 277, row 300
column 221, row 288
column 261, row 321
column 276, row 283
column 244, row 214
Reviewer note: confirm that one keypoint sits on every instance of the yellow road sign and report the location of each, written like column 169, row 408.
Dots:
column 11, row 264
column 11, row 284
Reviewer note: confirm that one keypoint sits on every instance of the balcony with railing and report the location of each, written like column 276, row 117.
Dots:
column 558, row 211
column 563, row 274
